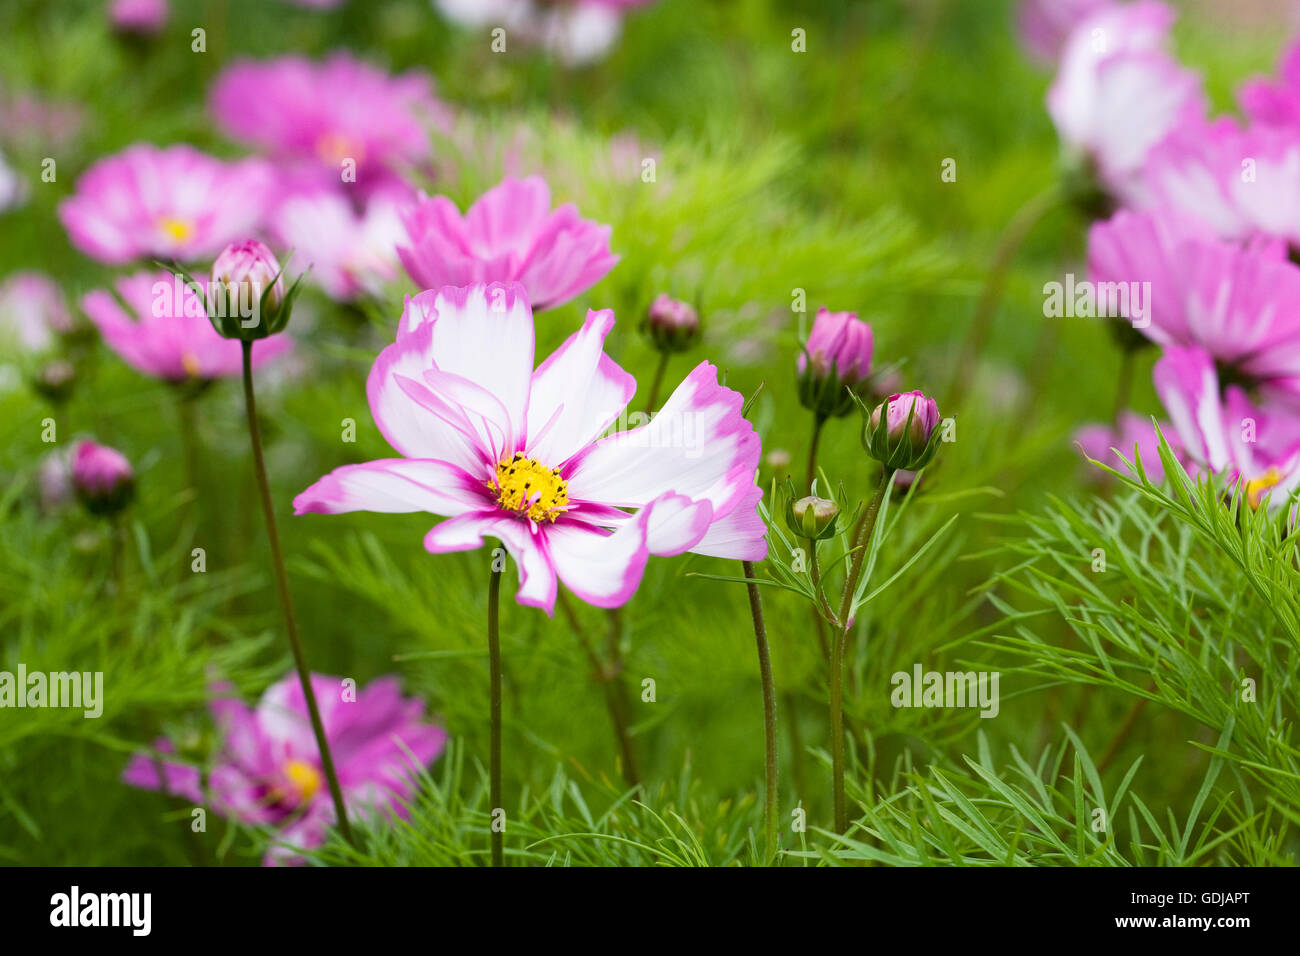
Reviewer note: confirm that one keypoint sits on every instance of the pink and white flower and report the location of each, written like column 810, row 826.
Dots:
column 267, row 770
column 1275, row 103
column 1244, row 182
column 1045, row 25
column 515, row 453
column 330, row 118
column 1242, row 305
column 33, row 313
column 576, row 32
column 1118, row 91
column 164, row 203
column 510, row 234
column 350, row 252
column 164, row 330
column 1223, row 430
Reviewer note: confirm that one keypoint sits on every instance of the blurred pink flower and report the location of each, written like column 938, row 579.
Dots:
column 1045, row 25
column 164, row 330
column 1101, row 442
column 1222, row 430
column 576, row 33
column 101, row 476
column 510, row 234
column 514, row 453
column 1244, row 183
column 165, row 203
column 142, row 17
column 32, row 312
column 1118, row 91
column 1242, row 305
column 350, row 252
column 267, row 770
column 331, row 117
column 839, row 342
column 1275, row 103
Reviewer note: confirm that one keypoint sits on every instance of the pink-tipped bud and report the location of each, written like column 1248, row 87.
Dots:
column 899, row 432
column 671, row 324
column 835, row 364
column 239, row 303
column 102, row 477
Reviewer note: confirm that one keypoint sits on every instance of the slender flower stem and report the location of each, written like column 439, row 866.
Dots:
column 613, row 696
column 655, row 383
column 286, row 600
column 769, row 712
column 494, row 719
column 861, row 545
column 1013, row 236
column 813, row 445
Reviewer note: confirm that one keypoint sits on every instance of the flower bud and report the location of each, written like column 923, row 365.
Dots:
column 102, row 477
column 902, row 432
column 671, row 324
column 140, row 18
column 813, row 518
column 246, row 297
column 55, row 380
column 835, row 364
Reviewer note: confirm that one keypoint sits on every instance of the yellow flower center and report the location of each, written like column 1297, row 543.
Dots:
column 191, row 365
column 1256, row 487
column 177, row 229
column 335, row 147
column 305, row 778
column 528, row 487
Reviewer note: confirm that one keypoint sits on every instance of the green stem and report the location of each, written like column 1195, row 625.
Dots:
column 286, row 600
column 861, row 545
column 769, row 713
column 614, row 697
column 656, row 382
column 814, row 444
column 1013, row 236
column 494, row 715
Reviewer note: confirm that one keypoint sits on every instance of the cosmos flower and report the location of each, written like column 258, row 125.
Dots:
column 1243, row 182
column 1222, row 430
column 329, row 118
column 1105, row 443
column 1275, row 103
column 267, row 767
column 1242, row 305
column 141, row 17
column 164, row 203
column 510, row 234
column 164, row 330
column 1045, row 25
column 515, row 453
column 349, row 252
column 1118, row 92
column 33, row 313
column 577, row 32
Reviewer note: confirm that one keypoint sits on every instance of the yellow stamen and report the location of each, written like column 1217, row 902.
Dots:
column 528, row 487
column 1256, row 487
column 177, row 229
column 305, row 778
column 335, row 147
column 191, row 365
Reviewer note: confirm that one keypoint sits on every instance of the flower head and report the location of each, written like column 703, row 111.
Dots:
column 515, row 453
column 142, row 17
column 510, row 234
column 164, row 330
column 102, row 477
column 267, row 768
column 835, row 363
column 1045, row 25
column 33, row 313
column 1118, row 91
column 902, row 431
column 172, row 203
column 577, row 33
column 349, row 252
column 1242, row 305
column 330, row 118
column 812, row 517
